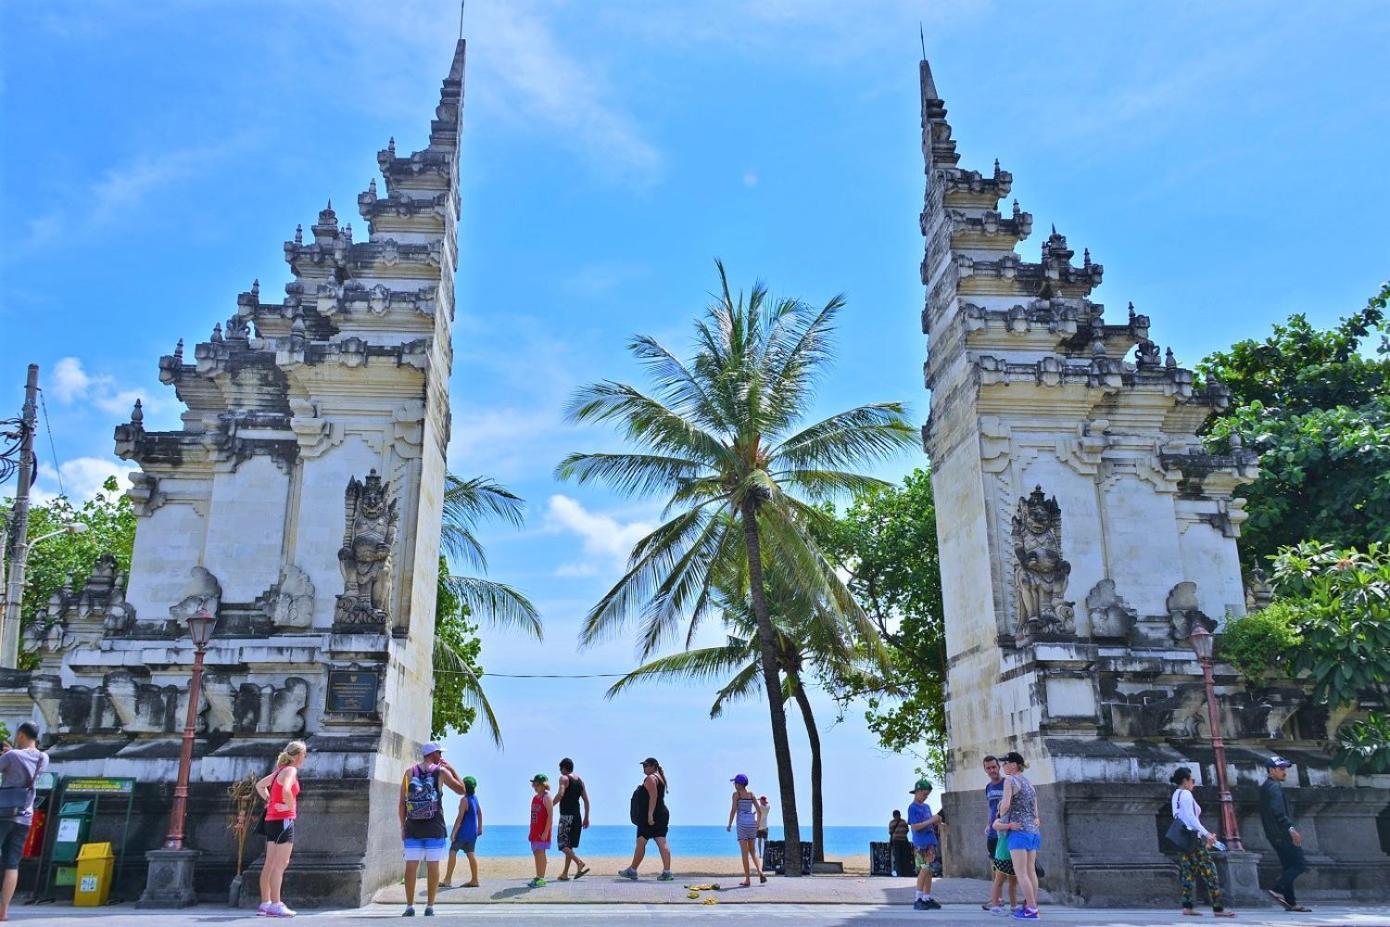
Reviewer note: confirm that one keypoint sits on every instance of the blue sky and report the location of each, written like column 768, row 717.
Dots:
column 156, row 155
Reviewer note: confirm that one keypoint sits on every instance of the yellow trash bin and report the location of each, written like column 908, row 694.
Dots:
column 94, row 864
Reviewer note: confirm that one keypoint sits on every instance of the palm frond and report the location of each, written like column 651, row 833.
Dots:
column 446, row 660
column 497, row 603
column 746, row 684
column 687, row 666
column 630, row 474
column 868, row 432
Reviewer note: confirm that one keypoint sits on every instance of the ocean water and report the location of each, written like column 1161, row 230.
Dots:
column 685, row 840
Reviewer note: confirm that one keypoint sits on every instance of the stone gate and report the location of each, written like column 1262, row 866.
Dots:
column 300, row 504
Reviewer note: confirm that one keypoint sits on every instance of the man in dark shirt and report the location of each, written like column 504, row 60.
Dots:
column 994, row 793
column 900, row 846
column 1277, row 817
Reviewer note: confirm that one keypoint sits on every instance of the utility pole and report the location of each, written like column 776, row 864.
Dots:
column 19, row 525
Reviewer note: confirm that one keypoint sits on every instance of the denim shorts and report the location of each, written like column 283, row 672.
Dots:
column 12, row 838
column 1021, row 841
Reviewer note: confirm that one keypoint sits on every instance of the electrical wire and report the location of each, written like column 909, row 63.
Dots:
column 53, row 448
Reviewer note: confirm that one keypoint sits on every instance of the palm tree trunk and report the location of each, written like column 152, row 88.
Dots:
column 772, row 685
column 817, row 797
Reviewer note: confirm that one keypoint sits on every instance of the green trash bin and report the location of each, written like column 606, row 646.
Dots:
column 74, row 823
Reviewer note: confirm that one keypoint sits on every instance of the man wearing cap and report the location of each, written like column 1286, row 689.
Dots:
column 1277, row 817
column 922, row 823
column 542, row 809
column 424, row 831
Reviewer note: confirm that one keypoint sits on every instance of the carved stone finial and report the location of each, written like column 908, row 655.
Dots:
column 1085, row 257
column 299, row 234
column 391, row 146
column 347, row 232
column 1169, row 360
column 178, row 351
column 217, row 333
column 1040, row 572
column 137, row 415
column 371, row 187
column 1132, row 314
column 996, row 167
column 1017, row 211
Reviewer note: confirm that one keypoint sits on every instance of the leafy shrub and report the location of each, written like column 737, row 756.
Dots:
column 1260, row 643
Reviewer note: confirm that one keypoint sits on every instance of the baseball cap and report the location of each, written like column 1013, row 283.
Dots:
column 470, row 781
column 922, row 784
column 650, row 761
column 542, row 778
column 429, row 748
column 740, row 779
column 1277, row 762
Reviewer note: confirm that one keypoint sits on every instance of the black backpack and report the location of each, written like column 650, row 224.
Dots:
column 639, row 805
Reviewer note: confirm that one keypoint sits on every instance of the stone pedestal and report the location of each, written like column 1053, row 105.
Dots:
column 169, row 883
column 1240, row 878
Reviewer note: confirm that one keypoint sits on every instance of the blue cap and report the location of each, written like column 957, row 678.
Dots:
column 1277, row 762
column 740, row 779
column 429, row 748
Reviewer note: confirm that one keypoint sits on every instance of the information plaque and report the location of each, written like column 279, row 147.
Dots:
column 353, row 691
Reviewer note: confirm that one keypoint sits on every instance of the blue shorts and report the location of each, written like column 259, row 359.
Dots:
column 428, row 850
column 1021, row 841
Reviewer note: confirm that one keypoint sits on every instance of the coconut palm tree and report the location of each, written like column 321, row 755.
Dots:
column 719, row 437
column 466, row 504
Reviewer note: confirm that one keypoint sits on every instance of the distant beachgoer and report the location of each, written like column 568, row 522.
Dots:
column 19, row 767
column 1019, row 819
column 542, row 825
column 900, row 845
column 468, row 827
column 745, row 809
column 763, row 809
column 280, row 791
column 652, row 818
column 1003, row 868
column 1276, row 816
column 424, row 832
column 925, row 844
column 1195, row 862
column 572, row 824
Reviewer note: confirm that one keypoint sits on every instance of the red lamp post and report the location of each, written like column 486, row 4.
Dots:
column 200, row 628
column 1202, row 640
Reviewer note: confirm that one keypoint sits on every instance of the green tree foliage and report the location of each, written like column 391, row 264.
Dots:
column 65, row 556
column 720, row 436
column 1316, row 405
column 459, row 699
column 1330, row 625
column 886, row 542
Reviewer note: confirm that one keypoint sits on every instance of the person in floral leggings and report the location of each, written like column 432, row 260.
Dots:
column 1195, row 863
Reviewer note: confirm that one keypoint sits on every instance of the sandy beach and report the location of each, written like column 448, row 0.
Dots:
column 683, row 867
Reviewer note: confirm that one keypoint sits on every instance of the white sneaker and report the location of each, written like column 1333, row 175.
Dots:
column 279, row 909
column 1001, row 910
column 263, row 910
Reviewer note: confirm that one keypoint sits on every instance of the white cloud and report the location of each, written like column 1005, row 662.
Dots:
column 71, row 383
column 82, row 478
column 606, row 540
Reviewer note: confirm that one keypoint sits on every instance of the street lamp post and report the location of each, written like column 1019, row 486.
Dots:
column 169, row 881
column 200, row 627
column 1201, row 640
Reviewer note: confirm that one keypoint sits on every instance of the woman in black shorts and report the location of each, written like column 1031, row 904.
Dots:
column 652, row 818
column 280, row 790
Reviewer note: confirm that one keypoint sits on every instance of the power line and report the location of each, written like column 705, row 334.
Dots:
column 534, row 675
column 48, row 425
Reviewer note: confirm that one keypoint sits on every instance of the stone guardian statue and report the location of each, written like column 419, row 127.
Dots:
column 1040, row 572
column 369, row 536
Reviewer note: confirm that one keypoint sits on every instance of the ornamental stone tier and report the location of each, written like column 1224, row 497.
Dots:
column 300, row 504
column 1084, row 532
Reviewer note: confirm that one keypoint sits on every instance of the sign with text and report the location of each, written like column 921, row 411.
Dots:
column 353, row 691
column 98, row 786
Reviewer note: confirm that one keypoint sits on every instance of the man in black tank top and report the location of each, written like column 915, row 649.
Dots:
column 572, row 823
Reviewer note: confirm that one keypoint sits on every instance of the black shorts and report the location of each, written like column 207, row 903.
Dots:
column 762, row 834
column 279, row 831
column 12, row 837
column 647, row 831
column 570, row 830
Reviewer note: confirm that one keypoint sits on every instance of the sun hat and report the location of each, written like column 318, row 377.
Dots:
column 740, row 779
column 923, row 785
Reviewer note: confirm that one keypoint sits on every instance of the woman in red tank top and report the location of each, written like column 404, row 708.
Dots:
column 280, row 790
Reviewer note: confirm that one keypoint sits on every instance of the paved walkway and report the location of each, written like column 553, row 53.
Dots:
column 610, row 889
column 667, row 915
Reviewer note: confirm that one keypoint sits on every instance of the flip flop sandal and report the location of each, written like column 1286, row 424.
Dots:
column 580, row 874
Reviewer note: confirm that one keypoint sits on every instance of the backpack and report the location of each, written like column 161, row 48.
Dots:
column 639, row 806
column 422, row 795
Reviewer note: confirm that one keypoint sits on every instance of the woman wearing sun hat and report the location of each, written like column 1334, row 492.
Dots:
column 745, row 809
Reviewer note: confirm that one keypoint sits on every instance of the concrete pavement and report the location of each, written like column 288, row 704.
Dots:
column 668, row 915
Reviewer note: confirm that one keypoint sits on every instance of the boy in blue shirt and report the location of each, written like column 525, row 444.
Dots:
column 922, row 823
